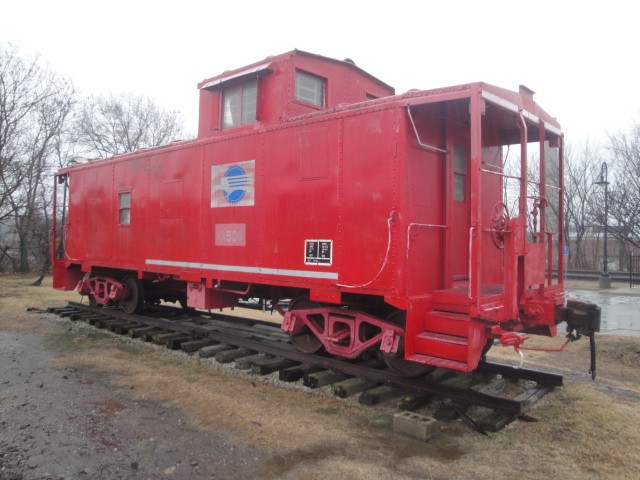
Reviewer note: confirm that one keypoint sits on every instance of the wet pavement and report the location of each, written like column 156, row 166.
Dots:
column 620, row 309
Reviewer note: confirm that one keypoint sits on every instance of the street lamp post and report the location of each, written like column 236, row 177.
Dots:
column 605, row 279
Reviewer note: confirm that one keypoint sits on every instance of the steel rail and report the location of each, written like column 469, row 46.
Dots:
column 222, row 334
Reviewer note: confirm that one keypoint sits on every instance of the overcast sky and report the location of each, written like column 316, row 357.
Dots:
column 581, row 58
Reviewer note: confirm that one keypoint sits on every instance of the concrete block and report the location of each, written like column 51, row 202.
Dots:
column 414, row 425
column 604, row 282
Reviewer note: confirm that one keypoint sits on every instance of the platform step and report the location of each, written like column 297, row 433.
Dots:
column 447, row 323
column 457, row 299
column 443, row 346
column 443, row 362
column 452, row 300
column 444, row 338
column 450, row 340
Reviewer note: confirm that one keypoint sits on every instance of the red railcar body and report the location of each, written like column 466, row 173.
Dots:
column 391, row 220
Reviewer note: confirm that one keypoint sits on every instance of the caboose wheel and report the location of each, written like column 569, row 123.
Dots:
column 92, row 301
column 396, row 361
column 306, row 341
column 135, row 297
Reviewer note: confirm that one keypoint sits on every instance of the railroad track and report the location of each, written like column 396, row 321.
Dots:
column 263, row 348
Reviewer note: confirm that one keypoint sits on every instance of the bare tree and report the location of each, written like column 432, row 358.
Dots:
column 120, row 124
column 37, row 135
column 581, row 196
column 582, row 165
column 34, row 106
column 624, row 193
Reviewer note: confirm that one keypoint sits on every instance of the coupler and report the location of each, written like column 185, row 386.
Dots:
column 582, row 318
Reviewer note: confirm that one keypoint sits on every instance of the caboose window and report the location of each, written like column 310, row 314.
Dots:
column 239, row 104
column 124, row 208
column 309, row 89
column 459, row 174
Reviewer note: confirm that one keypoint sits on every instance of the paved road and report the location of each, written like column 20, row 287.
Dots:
column 620, row 309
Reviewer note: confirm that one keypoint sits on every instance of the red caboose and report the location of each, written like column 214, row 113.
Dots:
column 390, row 221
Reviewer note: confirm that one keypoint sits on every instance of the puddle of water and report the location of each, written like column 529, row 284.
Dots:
column 620, row 313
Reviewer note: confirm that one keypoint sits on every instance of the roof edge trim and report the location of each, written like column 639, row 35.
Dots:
column 217, row 81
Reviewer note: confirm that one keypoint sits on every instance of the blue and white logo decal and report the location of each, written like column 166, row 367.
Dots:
column 233, row 184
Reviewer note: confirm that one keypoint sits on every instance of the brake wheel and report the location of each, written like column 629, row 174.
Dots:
column 499, row 219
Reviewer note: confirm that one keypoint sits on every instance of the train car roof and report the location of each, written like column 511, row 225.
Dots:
column 267, row 62
column 507, row 100
column 521, row 100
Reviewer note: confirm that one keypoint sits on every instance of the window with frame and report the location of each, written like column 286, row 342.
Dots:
column 459, row 174
column 239, row 104
column 310, row 89
column 124, row 208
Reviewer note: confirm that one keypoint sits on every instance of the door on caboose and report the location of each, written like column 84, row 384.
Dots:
column 459, row 207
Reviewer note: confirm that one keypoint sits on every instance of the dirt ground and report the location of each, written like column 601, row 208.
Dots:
column 79, row 403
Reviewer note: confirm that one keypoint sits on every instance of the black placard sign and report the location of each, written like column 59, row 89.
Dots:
column 318, row 252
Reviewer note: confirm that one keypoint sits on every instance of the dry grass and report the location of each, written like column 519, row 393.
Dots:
column 585, row 430
column 17, row 294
